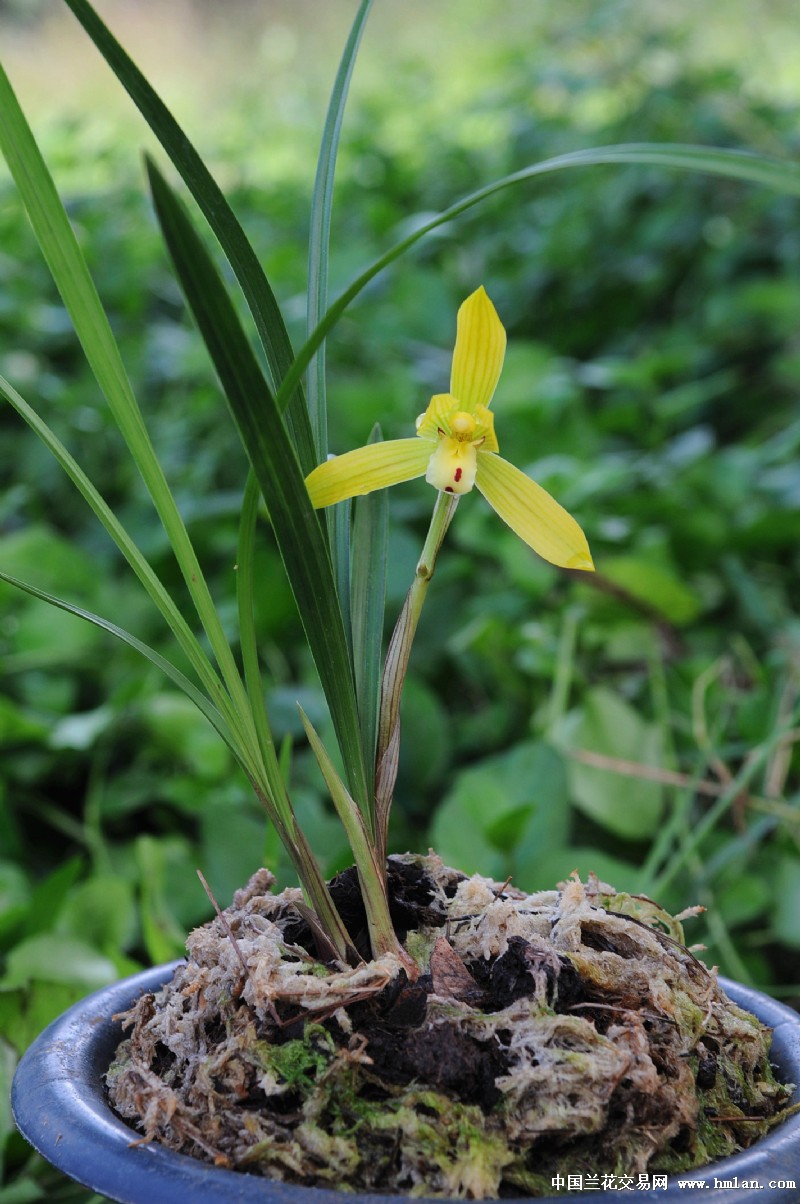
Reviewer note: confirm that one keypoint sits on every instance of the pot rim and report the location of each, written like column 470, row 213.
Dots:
column 59, row 1104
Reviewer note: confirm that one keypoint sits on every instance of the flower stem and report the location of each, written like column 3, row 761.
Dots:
column 397, row 658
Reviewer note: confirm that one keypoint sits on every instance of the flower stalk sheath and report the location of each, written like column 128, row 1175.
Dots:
column 394, row 672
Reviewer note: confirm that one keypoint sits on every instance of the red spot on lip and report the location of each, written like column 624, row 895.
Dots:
column 458, row 474
column 448, row 488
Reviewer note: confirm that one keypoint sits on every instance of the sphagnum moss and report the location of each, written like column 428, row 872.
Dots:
column 561, row 1031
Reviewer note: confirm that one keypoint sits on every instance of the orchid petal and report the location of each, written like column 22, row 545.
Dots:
column 436, row 418
column 367, row 468
column 479, row 351
column 532, row 513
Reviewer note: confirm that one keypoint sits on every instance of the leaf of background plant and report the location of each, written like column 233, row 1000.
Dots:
column 786, row 903
column 82, row 730
column 25, row 1011
column 163, row 934
column 297, row 529
column 100, row 912
column 16, row 727
column 14, row 889
column 232, row 843
column 630, row 807
column 51, row 957
column 177, row 728
column 8, row 1063
column 561, row 862
column 471, row 828
column 220, row 217
column 745, row 897
column 48, row 897
column 15, row 895
column 654, row 585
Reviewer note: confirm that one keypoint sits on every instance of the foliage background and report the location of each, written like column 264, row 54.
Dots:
column 651, row 384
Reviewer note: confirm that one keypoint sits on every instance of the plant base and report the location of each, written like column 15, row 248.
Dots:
column 564, row 1032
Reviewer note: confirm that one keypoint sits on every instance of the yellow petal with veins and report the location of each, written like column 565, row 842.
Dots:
column 367, row 468
column 532, row 513
column 436, row 418
column 479, row 351
column 444, row 409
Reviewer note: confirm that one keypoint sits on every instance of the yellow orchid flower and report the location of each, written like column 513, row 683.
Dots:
column 456, row 448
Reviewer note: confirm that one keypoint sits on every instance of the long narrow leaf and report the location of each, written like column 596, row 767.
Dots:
column 368, row 598
column 247, row 632
column 274, row 461
column 337, row 517
column 320, row 232
column 282, row 817
column 779, row 174
column 370, row 863
column 166, row 667
column 219, row 215
column 71, row 275
column 164, row 602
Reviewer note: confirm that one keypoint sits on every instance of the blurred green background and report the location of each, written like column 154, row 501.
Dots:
column 642, row 723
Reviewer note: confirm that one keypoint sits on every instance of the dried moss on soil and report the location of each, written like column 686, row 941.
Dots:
column 563, row 1031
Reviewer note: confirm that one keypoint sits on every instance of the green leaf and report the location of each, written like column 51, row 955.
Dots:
column 787, row 901
column 166, row 667
column 15, row 896
column 370, row 861
column 101, row 912
column 320, row 231
column 71, row 275
column 8, row 1064
column 275, row 464
column 49, row 896
column 338, row 517
column 368, row 603
column 17, row 727
column 521, row 789
column 220, row 217
column 782, row 175
column 176, row 726
column 232, row 843
column 158, row 594
column 628, row 806
column 26, row 1011
column 163, row 935
column 347, row 810
column 560, row 863
column 655, row 586
column 245, row 585
column 56, row 958
column 14, row 889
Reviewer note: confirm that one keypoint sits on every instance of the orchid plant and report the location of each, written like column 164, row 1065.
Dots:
column 335, row 564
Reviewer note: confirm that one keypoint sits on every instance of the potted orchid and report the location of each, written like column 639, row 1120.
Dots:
column 402, row 1028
